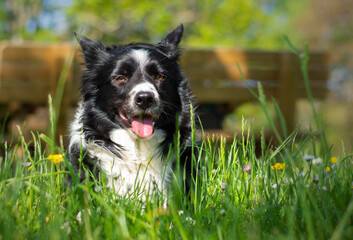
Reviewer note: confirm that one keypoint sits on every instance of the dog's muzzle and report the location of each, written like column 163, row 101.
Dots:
column 144, row 111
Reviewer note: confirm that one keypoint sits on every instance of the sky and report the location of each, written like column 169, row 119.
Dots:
column 55, row 19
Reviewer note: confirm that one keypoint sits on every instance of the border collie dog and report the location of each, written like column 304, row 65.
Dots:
column 134, row 100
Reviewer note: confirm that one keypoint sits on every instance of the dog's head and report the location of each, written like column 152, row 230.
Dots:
column 137, row 86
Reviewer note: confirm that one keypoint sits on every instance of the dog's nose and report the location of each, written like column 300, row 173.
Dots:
column 144, row 99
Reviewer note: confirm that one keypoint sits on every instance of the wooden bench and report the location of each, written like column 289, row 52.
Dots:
column 29, row 72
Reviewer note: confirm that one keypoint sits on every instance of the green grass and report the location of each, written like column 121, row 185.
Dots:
column 307, row 199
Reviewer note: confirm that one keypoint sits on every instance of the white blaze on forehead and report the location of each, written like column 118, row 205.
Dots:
column 145, row 87
column 140, row 56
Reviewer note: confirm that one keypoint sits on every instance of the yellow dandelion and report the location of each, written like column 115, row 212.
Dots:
column 328, row 169
column 278, row 166
column 56, row 158
column 48, row 217
column 333, row 160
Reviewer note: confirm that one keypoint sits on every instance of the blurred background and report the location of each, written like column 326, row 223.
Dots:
column 325, row 25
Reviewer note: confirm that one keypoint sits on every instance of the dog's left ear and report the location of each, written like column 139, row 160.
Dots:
column 171, row 42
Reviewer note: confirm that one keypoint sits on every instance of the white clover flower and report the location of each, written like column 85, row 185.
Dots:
column 289, row 180
column 97, row 189
column 324, row 188
column 66, row 226
column 190, row 220
column 181, row 212
column 26, row 164
column 317, row 161
column 79, row 215
column 274, row 185
column 222, row 211
column 307, row 185
column 258, row 176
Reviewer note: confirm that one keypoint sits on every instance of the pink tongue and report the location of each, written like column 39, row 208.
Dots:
column 142, row 127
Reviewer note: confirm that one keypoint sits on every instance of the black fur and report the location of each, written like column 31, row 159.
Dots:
column 103, row 99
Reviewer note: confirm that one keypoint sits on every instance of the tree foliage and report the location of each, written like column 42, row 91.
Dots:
column 233, row 23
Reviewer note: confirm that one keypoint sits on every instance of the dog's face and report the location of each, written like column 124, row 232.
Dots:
column 135, row 85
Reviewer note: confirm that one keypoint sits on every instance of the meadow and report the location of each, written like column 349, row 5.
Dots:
column 242, row 190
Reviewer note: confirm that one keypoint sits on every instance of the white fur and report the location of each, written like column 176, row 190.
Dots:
column 141, row 161
column 145, row 87
column 76, row 135
column 140, row 56
column 140, row 166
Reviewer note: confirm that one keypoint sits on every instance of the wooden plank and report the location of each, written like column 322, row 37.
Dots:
column 228, row 56
column 211, row 66
column 220, row 65
column 314, row 84
column 318, row 74
column 232, row 56
column 316, row 93
column 200, row 74
column 233, row 95
column 225, row 95
column 24, row 71
column 319, row 58
column 26, row 52
column 29, row 92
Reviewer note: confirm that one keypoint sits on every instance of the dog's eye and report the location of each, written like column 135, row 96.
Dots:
column 160, row 77
column 119, row 78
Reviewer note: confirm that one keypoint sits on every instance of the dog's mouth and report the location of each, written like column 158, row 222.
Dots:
column 142, row 125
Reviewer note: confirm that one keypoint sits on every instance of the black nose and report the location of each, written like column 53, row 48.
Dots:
column 144, row 99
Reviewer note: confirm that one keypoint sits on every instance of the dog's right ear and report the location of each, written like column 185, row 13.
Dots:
column 170, row 43
column 92, row 50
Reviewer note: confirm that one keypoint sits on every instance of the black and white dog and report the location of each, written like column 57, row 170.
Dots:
column 133, row 98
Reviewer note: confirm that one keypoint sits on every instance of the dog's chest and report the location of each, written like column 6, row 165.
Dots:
column 140, row 164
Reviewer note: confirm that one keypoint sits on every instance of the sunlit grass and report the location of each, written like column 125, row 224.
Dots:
column 237, row 195
column 294, row 190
